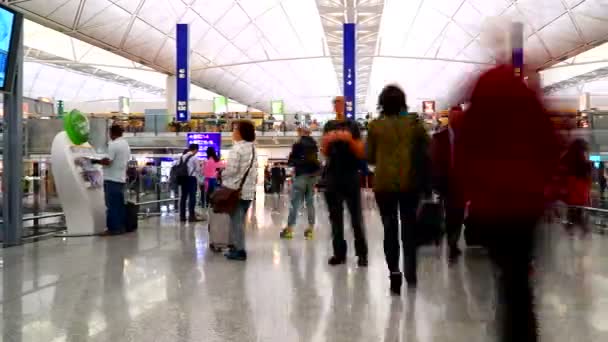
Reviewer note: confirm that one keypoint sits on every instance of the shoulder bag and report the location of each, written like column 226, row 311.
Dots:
column 225, row 200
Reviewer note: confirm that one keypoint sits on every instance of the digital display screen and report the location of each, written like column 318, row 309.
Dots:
column 7, row 19
column 205, row 140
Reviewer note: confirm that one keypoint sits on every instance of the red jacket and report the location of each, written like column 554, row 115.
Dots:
column 507, row 149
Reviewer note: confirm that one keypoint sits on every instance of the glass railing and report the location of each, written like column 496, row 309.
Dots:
column 285, row 124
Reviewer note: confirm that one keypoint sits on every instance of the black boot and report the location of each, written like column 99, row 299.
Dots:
column 334, row 261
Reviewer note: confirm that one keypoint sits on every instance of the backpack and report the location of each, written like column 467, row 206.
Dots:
column 179, row 171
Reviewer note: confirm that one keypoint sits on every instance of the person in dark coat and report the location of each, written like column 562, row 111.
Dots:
column 344, row 149
column 446, row 182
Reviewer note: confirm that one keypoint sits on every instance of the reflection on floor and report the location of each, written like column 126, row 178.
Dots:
column 163, row 284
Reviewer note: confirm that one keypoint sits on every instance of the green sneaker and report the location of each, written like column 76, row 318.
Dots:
column 286, row 233
column 309, row 234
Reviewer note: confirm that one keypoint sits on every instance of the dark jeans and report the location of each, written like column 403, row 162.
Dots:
column 206, row 193
column 188, row 193
column 335, row 197
column 394, row 206
column 511, row 247
column 454, row 218
column 116, row 214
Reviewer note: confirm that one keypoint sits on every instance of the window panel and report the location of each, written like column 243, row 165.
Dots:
column 212, row 10
column 162, row 14
column 540, row 12
column 233, row 22
column 211, row 44
column 560, row 36
column 247, row 38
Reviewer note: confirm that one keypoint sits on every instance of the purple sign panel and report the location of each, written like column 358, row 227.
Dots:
column 204, row 140
column 183, row 73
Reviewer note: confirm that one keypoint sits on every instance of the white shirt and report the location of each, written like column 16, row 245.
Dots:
column 119, row 153
column 236, row 166
column 194, row 165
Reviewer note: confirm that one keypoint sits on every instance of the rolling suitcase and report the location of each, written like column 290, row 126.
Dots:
column 219, row 231
column 132, row 210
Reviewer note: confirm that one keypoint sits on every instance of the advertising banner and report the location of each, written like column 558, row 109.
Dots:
column 204, row 140
column 349, row 71
column 182, row 59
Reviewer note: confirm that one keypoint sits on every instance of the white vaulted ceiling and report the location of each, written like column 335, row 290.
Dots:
column 255, row 51
column 252, row 51
column 430, row 46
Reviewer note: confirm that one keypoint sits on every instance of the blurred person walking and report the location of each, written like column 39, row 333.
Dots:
column 342, row 145
column 187, row 177
column 398, row 146
column 241, row 172
column 578, row 182
column 304, row 158
column 445, row 181
column 507, row 151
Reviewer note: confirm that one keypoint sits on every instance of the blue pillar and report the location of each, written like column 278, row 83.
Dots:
column 182, row 112
column 517, row 45
column 349, row 71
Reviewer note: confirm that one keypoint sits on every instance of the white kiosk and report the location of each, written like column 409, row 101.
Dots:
column 79, row 183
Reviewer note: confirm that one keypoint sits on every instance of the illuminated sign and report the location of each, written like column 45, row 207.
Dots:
column 349, row 71
column 220, row 104
column 276, row 107
column 205, row 140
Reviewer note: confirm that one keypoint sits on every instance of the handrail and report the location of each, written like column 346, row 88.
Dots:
column 158, row 201
column 601, row 210
column 38, row 217
column 59, row 214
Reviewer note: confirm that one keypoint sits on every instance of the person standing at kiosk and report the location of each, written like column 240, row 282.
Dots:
column 115, row 178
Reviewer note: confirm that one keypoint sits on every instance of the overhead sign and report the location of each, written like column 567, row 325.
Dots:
column 204, row 140
column 220, row 104
column 276, row 107
column 349, row 71
column 428, row 107
column 182, row 113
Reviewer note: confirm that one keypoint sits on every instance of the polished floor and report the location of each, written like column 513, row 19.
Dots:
column 163, row 284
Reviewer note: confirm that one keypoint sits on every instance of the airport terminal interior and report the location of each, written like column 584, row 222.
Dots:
column 117, row 114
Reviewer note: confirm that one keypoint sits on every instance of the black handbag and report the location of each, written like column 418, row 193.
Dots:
column 225, row 200
column 429, row 230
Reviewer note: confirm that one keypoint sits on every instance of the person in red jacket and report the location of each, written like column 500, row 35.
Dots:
column 507, row 151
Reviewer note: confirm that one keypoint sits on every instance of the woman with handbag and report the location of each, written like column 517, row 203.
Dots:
column 397, row 145
column 238, row 186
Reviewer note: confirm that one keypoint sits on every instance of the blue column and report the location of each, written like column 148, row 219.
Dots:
column 182, row 112
column 349, row 71
column 517, row 44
